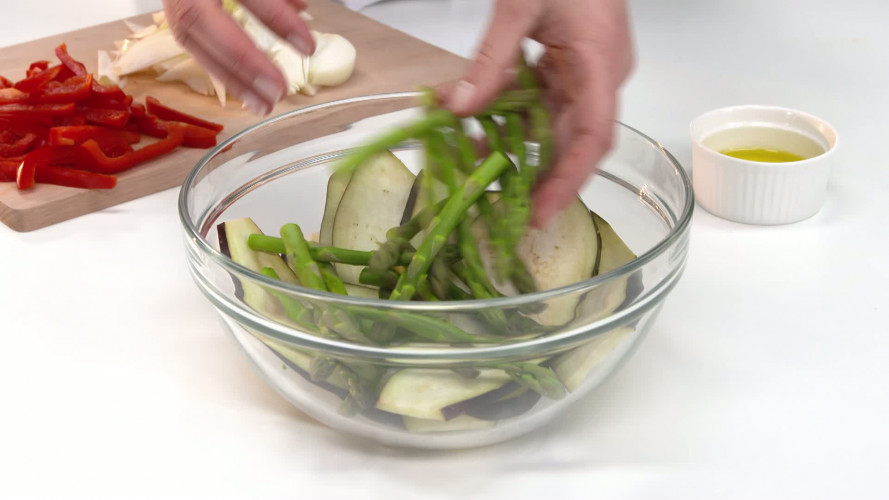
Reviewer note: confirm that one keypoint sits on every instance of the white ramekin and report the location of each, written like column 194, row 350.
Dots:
column 756, row 192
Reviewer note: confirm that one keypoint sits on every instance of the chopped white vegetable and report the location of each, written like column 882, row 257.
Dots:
column 192, row 74
column 155, row 48
column 147, row 52
column 105, row 71
column 333, row 60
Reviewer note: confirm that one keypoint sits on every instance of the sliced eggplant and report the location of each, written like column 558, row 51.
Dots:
column 429, row 393
column 461, row 423
column 515, row 403
column 608, row 297
column 336, row 186
column 561, row 254
column 372, row 203
column 233, row 236
column 574, row 366
column 615, row 252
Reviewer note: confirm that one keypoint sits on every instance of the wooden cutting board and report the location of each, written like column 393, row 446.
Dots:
column 388, row 61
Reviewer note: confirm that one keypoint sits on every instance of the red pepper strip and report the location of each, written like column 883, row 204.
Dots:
column 84, row 133
column 8, row 170
column 20, row 125
column 11, row 95
column 138, row 110
column 5, row 83
column 75, row 89
column 150, row 125
column 51, row 155
column 36, row 111
column 112, row 93
column 40, row 79
column 72, row 64
column 19, row 147
column 63, row 176
column 68, row 121
column 100, row 101
column 36, row 67
column 154, row 107
column 197, row 137
column 112, row 142
column 103, row 164
column 115, row 118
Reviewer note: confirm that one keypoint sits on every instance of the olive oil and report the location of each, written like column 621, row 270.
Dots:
column 764, row 144
column 766, row 155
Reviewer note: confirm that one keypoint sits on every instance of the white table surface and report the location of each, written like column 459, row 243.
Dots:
column 766, row 375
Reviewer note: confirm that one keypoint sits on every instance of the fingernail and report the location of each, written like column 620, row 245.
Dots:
column 255, row 104
column 461, row 95
column 267, row 88
column 300, row 45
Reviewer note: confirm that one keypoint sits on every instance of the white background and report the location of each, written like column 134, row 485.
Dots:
column 764, row 377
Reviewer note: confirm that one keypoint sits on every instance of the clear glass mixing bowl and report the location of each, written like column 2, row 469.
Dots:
column 435, row 395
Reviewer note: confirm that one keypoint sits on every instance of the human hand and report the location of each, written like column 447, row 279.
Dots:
column 219, row 44
column 588, row 56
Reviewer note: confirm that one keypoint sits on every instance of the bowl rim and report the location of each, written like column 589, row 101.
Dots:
column 193, row 234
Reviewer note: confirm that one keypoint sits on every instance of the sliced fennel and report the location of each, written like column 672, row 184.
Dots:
column 154, row 48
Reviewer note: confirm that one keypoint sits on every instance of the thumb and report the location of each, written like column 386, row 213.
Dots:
column 488, row 74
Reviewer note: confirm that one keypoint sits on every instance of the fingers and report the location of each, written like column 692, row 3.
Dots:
column 282, row 17
column 592, row 114
column 497, row 55
column 221, row 46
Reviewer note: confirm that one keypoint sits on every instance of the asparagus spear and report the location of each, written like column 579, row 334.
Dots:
column 294, row 309
column 537, row 378
column 333, row 282
column 445, row 222
column 385, row 280
column 320, row 253
column 309, row 275
column 398, row 238
column 541, row 131
column 297, row 250
column 432, row 120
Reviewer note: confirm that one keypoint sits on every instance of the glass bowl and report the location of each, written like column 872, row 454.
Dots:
column 427, row 395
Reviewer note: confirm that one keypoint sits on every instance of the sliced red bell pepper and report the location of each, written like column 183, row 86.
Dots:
column 105, row 165
column 36, row 67
column 107, row 102
column 18, row 146
column 5, row 83
column 8, row 170
column 154, row 107
column 37, row 111
column 60, row 176
column 115, row 118
column 137, row 109
column 197, row 137
column 33, row 83
column 112, row 142
column 50, row 155
column 34, row 125
column 11, row 95
column 63, row 176
column 150, row 124
column 112, row 92
column 74, row 89
column 68, row 121
column 69, row 62
column 79, row 135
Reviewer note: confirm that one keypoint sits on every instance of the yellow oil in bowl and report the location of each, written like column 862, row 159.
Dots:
column 764, row 144
column 766, row 155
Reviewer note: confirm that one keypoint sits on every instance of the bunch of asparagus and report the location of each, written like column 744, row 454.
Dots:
column 447, row 264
